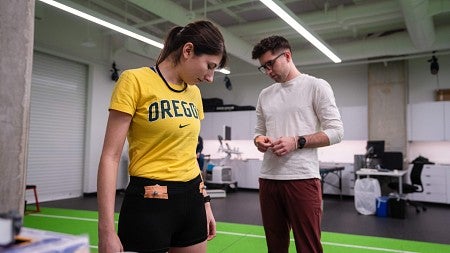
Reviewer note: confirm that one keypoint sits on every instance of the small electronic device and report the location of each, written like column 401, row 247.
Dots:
column 221, row 175
column 375, row 149
column 227, row 133
column 374, row 153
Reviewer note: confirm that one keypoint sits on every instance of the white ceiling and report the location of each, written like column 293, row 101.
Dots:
column 355, row 30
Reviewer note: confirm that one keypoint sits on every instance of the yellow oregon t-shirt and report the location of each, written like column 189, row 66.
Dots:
column 165, row 126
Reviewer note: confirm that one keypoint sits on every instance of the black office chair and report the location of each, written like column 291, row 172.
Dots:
column 415, row 186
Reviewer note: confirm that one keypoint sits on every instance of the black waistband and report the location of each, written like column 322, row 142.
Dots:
column 137, row 184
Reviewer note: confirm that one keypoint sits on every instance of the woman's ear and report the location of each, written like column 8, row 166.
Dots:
column 188, row 50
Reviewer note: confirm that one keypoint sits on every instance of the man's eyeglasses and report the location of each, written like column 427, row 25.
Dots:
column 269, row 64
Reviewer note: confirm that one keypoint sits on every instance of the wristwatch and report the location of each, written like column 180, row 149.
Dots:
column 206, row 198
column 301, row 141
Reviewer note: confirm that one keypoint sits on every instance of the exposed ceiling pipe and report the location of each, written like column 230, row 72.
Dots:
column 178, row 15
column 377, row 60
column 418, row 22
column 394, row 45
column 385, row 60
column 337, row 18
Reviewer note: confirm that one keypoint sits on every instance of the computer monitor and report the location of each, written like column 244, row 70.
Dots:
column 227, row 132
column 375, row 149
column 392, row 161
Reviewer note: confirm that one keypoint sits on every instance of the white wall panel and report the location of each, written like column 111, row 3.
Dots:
column 57, row 127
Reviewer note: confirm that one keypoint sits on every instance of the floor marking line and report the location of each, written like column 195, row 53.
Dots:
column 65, row 217
column 240, row 234
column 366, row 247
column 326, row 243
column 233, row 233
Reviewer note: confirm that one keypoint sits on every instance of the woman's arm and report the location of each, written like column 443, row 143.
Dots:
column 116, row 132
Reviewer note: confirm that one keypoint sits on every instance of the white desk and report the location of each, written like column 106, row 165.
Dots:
column 395, row 173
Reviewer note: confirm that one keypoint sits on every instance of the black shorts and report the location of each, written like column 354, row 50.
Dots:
column 155, row 225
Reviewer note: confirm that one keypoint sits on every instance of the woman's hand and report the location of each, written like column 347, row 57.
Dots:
column 211, row 222
column 109, row 242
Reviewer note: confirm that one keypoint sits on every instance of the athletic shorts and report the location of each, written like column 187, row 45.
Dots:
column 156, row 224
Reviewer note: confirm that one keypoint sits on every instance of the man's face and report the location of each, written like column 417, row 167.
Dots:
column 274, row 65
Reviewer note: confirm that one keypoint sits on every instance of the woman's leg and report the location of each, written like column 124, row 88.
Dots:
column 196, row 248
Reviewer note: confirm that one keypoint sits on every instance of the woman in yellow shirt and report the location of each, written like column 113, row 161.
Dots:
column 158, row 109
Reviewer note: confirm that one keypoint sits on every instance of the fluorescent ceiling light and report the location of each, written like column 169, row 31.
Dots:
column 300, row 29
column 110, row 26
column 224, row 71
column 103, row 23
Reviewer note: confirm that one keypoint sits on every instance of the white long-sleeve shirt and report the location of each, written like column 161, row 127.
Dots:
column 301, row 106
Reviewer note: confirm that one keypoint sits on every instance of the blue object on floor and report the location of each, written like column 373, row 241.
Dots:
column 382, row 206
column 210, row 167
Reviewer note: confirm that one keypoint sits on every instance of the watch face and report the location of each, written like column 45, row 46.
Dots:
column 301, row 142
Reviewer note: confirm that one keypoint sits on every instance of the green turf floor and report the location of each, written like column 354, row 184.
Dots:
column 231, row 238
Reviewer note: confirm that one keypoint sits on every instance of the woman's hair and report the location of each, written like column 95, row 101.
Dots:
column 272, row 43
column 205, row 37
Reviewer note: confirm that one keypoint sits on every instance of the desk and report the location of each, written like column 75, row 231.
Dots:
column 336, row 170
column 395, row 173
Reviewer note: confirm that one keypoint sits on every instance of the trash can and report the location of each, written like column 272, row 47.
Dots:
column 366, row 192
column 382, row 206
column 396, row 207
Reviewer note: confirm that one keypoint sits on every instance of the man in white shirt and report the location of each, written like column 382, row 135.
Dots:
column 295, row 116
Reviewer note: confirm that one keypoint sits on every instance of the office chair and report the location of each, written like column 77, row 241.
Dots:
column 415, row 186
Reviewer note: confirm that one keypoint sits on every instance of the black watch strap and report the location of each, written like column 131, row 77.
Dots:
column 301, row 141
column 206, row 198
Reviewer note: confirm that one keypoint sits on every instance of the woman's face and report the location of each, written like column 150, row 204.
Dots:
column 197, row 69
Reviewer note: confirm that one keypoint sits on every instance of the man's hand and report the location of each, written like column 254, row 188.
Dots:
column 263, row 143
column 284, row 145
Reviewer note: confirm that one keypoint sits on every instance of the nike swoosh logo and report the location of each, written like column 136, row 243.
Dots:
column 181, row 126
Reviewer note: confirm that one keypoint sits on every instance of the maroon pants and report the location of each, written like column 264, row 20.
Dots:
column 295, row 204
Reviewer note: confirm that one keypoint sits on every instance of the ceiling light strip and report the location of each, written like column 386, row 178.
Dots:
column 103, row 23
column 224, row 71
column 300, row 29
column 111, row 26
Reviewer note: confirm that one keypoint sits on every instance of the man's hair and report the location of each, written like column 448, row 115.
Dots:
column 272, row 43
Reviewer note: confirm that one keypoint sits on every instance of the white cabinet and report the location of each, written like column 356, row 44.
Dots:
column 245, row 172
column 429, row 121
column 434, row 181
column 355, row 120
column 331, row 181
column 447, row 120
column 348, row 180
column 242, row 125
